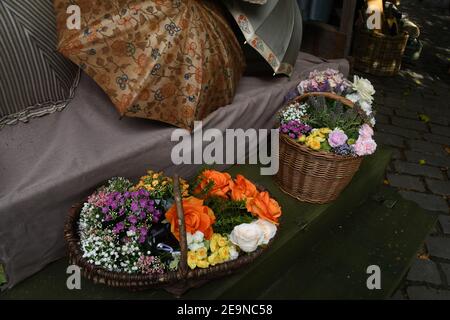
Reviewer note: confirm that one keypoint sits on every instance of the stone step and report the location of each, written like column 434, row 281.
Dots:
column 372, row 234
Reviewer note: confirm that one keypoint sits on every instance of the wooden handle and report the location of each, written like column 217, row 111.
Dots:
column 330, row 95
column 183, row 267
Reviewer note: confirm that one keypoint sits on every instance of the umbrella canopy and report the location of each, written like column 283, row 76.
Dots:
column 169, row 60
column 274, row 29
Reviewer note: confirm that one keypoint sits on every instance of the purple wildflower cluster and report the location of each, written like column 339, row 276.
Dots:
column 131, row 213
column 295, row 129
column 329, row 80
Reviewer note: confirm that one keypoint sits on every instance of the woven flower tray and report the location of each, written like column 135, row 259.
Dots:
column 175, row 282
column 314, row 176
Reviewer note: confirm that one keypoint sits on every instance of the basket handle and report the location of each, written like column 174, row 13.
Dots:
column 330, row 95
column 183, row 267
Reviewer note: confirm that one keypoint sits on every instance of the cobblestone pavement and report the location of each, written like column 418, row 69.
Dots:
column 414, row 119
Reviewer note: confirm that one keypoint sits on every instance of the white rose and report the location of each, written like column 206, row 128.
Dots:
column 247, row 236
column 234, row 254
column 353, row 97
column 195, row 246
column 366, row 106
column 364, row 88
column 198, row 236
column 268, row 228
column 188, row 238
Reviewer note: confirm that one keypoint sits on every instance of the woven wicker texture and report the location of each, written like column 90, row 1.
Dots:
column 314, row 176
column 175, row 282
column 377, row 53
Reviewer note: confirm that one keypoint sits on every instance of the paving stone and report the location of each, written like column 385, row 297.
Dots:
column 391, row 100
column 439, row 186
column 427, row 201
column 398, row 295
column 438, row 118
column 417, row 169
column 438, row 247
column 407, row 133
column 426, row 293
column 382, row 119
column 383, row 110
column 424, row 271
column 446, row 269
column 444, row 221
column 407, row 114
column 396, row 154
column 437, row 138
column 406, row 182
column 425, row 146
column 440, row 130
column 389, row 140
column 409, row 124
column 415, row 157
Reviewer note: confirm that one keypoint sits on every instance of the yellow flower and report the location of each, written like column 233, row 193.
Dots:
column 214, row 259
column 155, row 183
column 213, row 246
column 202, row 253
column 314, row 144
column 325, row 130
column 302, row 138
column 203, row 264
column 222, row 242
column 224, row 253
column 164, row 183
column 192, row 260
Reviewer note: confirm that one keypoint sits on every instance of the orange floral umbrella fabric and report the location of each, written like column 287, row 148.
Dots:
column 174, row 61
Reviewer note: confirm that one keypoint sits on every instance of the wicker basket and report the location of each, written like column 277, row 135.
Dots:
column 314, row 176
column 377, row 53
column 175, row 282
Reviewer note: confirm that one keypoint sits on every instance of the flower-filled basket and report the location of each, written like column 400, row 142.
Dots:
column 165, row 233
column 325, row 131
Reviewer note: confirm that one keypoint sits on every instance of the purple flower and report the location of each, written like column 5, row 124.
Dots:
column 142, row 215
column 105, row 210
column 119, row 227
column 143, row 203
column 134, row 206
column 157, row 214
column 132, row 219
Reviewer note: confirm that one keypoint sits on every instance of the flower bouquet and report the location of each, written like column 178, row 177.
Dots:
column 325, row 130
column 164, row 232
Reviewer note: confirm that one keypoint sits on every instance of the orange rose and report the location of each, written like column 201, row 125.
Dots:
column 242, row 189
column 197, row 217
column 221, row 183
column 264, row 207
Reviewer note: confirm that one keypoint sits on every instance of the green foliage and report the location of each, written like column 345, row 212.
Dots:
column 326, row 113
column 228, row 214
column 118, row 184
column 2, row 275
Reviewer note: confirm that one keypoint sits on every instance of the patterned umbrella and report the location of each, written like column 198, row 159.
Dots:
column 274, row 29
column 169, row 60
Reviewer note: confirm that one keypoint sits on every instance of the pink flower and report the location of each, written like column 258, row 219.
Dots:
column 365, row 146
column 366, row 131
column 337, row 138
